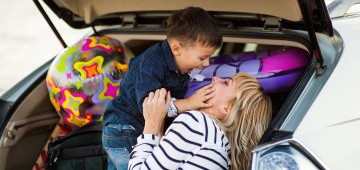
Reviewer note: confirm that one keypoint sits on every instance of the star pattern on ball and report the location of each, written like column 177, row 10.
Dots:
column 84, row 56
column 68, row 75
column 50, row 84
column 62, row 59
column 102, row 43
column 90, row 68
column 71, row 102
column 78, row 85
column 122, row 67
column 109, row 89
column 54, row 102
column 78, row 121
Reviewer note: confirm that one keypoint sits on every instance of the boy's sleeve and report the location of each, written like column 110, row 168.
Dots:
column 172, row 111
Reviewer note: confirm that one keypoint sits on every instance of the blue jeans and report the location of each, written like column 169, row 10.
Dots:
column 117, row 141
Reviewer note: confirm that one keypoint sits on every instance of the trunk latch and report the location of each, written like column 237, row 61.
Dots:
column 128, row 20
column 272, row 24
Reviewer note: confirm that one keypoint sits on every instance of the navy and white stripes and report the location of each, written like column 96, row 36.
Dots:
column 193, row 141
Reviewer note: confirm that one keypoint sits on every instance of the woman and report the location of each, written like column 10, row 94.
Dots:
column 239, row 115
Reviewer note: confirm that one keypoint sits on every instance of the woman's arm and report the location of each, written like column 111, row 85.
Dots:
column 183, row 138
column 155, row 107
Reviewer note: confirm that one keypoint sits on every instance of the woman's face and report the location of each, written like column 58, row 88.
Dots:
column 225, row 93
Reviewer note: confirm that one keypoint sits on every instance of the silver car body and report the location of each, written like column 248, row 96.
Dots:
column 329, row 128
column 326, row 116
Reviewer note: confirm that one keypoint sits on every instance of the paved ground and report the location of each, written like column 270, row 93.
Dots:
column 26, row 40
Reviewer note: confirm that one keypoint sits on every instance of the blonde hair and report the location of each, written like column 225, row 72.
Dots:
column 249, row 116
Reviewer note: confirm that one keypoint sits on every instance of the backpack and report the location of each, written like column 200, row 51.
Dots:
column 80, row 149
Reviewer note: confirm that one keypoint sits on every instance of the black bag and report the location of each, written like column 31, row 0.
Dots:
column 80, row 149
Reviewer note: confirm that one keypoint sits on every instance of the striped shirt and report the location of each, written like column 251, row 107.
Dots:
column 193, row 141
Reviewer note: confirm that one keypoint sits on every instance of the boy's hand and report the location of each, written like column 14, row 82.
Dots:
column 155, row 107
column 198, row 99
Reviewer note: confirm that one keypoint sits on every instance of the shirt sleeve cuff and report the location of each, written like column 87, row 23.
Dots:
column 149, row 138
column 172, row 111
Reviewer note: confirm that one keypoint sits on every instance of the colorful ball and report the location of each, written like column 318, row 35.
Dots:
column 85, row 77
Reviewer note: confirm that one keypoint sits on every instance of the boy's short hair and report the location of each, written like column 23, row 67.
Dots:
column 193, row 24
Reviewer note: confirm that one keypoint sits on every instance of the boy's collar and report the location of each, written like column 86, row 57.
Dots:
column 168, row 56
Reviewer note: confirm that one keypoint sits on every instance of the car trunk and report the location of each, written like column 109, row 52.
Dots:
column 26, row 124
column 244, row 30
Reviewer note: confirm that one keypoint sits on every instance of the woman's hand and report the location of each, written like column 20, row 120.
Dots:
column 155, row 108
column 198, row 99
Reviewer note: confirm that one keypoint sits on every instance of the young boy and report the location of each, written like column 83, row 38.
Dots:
column 192, row 37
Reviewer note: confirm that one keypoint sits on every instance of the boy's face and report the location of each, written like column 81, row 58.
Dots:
column 192, row 56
